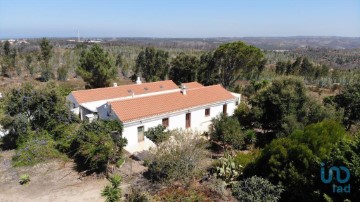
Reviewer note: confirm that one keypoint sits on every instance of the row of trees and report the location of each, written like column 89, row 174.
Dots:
column 225, row 65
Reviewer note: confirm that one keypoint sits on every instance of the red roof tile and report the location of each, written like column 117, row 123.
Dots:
column 194, row 84
column 97, row 94
column 132, row 109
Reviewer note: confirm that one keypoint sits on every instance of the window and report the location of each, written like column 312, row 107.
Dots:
column 165, row 122
column 141, row 134
column 225, row 109
column 207, row 112
column 188, row 120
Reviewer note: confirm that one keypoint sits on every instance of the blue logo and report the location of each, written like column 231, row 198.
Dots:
column 340, row 185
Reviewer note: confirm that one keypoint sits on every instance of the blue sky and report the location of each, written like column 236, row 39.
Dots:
column 178, row 18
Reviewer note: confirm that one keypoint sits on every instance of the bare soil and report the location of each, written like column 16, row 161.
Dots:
column 57, row 180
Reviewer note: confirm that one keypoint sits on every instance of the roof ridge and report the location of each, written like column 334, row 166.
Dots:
column 134, row 84
column 162, row 94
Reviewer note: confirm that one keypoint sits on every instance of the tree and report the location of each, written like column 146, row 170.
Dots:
column 207, row 73
column 6, row 48
column 28, row 65
column 284, row 106
column 184, row 68
column 228, row 131
column 349, row 100
column 295, row 161
column 280, row 67
column 9, row 59
column 152, row 64
column 96, row 67
column 99, row 143
column 28, row 108
column 232, row 59
column 62, row 73
column 46, row 54
column 256, row 189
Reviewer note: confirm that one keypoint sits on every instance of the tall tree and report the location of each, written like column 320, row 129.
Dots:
column 235, row 58
column 206, row 73
column 152, row 64
column 184, row 68
column 46, row 54
column 96, row 68
column 349, row 100
column 7, row 49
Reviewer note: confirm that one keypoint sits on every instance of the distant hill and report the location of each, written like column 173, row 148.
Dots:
column 267, row 43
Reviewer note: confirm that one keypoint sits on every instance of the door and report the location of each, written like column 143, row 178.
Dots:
column 225, row 109
column 188, row 120
column 141, row 134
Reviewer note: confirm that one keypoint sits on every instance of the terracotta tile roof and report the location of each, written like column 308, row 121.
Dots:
column 194, row 84
column 132, row 109
column 97, row 94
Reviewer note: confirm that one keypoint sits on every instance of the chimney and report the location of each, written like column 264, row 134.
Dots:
column 183, row 89
column 138, row 80
column 115, row 84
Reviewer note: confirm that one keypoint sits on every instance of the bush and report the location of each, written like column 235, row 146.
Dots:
column 228, row 131
column 62, row 73
column 178, row 158
column 157, row 134
column 136, row 195
column 97, row 144
column 256, row 189
column 112, row 192
column 39, row 147
column 245, row 159
column 24, row 179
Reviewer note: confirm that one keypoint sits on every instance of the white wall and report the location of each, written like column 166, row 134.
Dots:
column 199, row 122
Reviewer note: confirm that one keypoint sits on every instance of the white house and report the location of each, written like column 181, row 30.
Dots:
column 190, row 107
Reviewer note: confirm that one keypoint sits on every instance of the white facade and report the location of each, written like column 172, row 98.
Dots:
column 198, row 122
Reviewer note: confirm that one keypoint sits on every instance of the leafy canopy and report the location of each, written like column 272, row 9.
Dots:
column 96, row 68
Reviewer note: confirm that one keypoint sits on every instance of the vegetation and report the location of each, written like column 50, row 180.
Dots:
column 24, row 179
column 98, row 143
column 157, row 134
column 112, row 192
column 178, row 158
column 256, row 189
column 152, row 64
column 349, row 100
column 281, row 124
column 232, row 59
column 96, row 68
column 227, row 130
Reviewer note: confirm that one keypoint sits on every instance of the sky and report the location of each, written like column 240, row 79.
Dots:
column 179, row 18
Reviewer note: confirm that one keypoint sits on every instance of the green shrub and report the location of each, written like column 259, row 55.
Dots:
column 244, row 159
column 37, row 148
column 256, row 189
column 112, row 192
column 97, row 144
column 157, row 134
column 178, row 158
column 228, row 131
column 24, row 179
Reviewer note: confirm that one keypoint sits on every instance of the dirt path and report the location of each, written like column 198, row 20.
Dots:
column 52, row 181
column 58, row 181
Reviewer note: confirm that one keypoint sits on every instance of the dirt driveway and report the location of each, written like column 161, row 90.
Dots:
column 52, row 181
